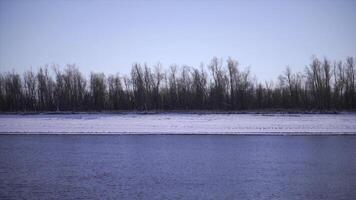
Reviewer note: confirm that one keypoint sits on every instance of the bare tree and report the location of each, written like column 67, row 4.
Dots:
column 173, row 87
column 12, row 92
column 98, row 90
column 30, row 86
column 158, row 77
column 234, row 78
column 199, row 90
column 219, row 84
column 137, row 78
column 116, row 92
column 45, row 89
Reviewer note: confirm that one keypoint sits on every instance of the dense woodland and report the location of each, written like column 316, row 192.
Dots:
column 323, row 85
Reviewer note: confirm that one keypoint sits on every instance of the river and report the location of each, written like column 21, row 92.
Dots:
column 177, row 167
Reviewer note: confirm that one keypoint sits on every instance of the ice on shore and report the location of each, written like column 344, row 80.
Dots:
column 180, row 124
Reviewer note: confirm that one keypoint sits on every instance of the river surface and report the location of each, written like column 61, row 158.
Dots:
column 177, row 167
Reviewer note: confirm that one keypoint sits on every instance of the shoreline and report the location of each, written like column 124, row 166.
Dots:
column 179, row 134
column 180, row 123
column 194, row 112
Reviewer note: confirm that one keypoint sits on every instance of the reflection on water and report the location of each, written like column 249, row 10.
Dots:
column 177, row 167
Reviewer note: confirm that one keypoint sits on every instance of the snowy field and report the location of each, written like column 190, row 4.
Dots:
column 289, row 124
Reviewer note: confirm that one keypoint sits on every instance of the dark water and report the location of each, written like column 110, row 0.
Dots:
column 177, row 167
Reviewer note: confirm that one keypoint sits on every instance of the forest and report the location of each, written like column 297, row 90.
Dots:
column 221, row 85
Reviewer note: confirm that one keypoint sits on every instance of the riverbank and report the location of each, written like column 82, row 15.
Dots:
column 173, row 123
column 200, row 112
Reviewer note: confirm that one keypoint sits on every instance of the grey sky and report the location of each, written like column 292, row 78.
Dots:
column 108, row 36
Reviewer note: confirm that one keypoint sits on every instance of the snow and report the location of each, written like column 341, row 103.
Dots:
column 286, row 124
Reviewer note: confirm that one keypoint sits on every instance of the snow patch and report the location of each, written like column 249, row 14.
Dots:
column 180, row 124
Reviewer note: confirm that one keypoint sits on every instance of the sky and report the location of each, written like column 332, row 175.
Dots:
column 109, row 36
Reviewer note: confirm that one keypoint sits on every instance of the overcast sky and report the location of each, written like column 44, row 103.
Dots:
column 108, row 36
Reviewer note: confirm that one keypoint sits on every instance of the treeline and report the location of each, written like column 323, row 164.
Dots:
column 324, row 85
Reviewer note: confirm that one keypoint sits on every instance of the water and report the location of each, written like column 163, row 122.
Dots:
column 177, row 167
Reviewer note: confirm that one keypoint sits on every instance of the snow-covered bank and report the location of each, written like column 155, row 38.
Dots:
column 200, row 112
column 180, row 124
